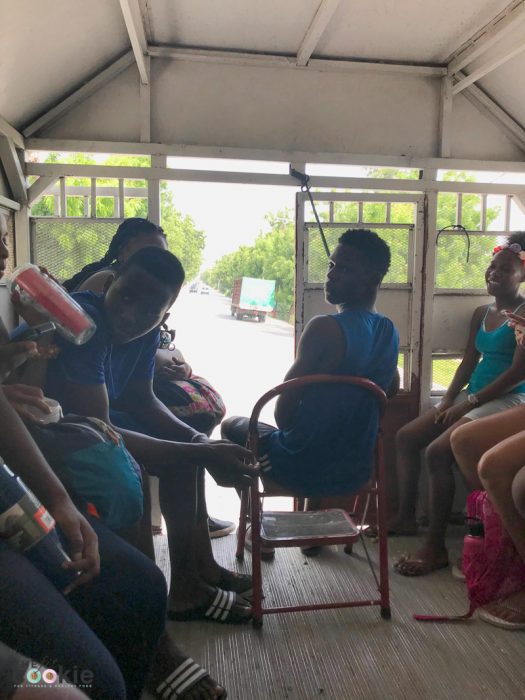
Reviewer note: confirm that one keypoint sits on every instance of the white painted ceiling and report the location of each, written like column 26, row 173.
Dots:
column 50, row 47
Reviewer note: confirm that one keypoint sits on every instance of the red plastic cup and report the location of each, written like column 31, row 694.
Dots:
column 50, row 299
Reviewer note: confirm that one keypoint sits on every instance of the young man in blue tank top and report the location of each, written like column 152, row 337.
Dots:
column 324, row 429
column 493, row 371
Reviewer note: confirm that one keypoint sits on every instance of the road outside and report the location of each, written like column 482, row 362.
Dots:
column 242, row 359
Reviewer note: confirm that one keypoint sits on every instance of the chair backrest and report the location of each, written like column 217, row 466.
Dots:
column 301, row 382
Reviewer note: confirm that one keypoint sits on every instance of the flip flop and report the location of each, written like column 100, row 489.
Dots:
column 489, row 614
column 225, row 607
column 185, row 677
column 422, row 566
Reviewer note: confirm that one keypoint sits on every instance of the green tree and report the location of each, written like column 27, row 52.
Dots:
column 68, row 246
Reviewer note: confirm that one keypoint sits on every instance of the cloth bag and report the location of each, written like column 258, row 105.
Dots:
column 493, row 570
column 190, row 397
column 97, row 470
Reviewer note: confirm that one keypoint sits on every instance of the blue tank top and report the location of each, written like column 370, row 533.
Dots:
column 328, row 450
column 497, row 352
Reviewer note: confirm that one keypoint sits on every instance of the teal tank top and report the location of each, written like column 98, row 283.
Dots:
column 497, row 351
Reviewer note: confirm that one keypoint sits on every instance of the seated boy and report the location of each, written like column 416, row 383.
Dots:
column 324, row 442
column 110, row 377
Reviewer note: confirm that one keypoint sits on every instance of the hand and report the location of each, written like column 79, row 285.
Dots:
column 82, row 543
column 12, row 355
column 176, row 371
column 454, row 413
column 28, row 312
column 229, row 464
column 21, row 395
column 445, row 403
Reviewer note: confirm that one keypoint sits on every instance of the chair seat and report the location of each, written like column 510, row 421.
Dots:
column 300, row 528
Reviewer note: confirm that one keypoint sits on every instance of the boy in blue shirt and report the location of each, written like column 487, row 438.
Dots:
column 332, row 426
column 110, row 377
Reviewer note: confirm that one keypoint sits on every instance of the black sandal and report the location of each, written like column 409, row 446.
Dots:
column 225, row 607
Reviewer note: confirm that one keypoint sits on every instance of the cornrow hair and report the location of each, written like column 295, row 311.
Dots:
column 517, row 237
column 128, row 229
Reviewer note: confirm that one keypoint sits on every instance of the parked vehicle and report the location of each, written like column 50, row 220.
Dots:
column 194, row 288
column 204, row 289
column 252, row 298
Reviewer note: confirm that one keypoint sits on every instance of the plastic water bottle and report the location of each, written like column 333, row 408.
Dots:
column 53, row 302
column 28, row 527
column 473, row 543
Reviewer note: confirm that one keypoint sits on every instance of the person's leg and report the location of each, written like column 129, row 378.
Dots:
column 186, row 523
column 497, row 470
column 518, row 492
column 471, row 440
column 410, row 440
column 39, row 622
column 433, row 554
column 125, row 606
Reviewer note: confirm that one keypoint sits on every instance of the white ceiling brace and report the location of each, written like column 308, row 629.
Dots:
column 506, row 53
column 183, row 175
column 137, row 36
column 315, row 31
column 491, row 33
column 39, row 188
column 145, row 106
column 80, row 94
column 13, row 169
column 263, row 154
column 9, row 203
column 264, row 60
column 495, row 113
column 7, row 130
column 520, row 201
column 445, row 114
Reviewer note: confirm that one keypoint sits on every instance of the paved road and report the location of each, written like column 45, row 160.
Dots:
column 242, row 359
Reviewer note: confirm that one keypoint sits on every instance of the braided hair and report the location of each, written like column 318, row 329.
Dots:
column 128, row 229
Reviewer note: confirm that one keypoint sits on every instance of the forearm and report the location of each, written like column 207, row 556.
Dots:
column 502, row 385
column 153, row 451
column 154, row 414
column 21, row 454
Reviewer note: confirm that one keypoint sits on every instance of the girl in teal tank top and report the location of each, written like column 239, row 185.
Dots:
column 494, row 372
column 497, row 348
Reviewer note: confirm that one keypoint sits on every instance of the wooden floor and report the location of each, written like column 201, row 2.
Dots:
column 353, row 654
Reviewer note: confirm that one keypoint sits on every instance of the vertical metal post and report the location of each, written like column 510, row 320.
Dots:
column 22, row 236
column 63, row 198
column 93, row 197
column 154, row 213
column 121, row 203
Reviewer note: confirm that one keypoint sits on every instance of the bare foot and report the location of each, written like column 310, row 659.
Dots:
column 423, row 562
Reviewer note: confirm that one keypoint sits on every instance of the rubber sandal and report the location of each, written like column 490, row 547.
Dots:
column 267, row 553
column 221, row 609
column 457, row 571
column 422, row 566
column 185, row 677
column 493, row 618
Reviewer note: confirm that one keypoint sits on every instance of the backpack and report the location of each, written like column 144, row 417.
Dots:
column 96, row 469
column 493, row 569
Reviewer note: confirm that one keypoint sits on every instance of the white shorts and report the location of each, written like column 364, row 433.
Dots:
column 495, row 406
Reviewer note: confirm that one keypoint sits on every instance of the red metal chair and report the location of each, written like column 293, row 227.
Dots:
column 294, row 529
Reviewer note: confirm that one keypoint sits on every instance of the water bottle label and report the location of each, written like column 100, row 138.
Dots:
column 25, row 523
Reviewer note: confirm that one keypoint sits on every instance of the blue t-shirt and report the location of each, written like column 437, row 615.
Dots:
column 329, row 449
column 100, row 361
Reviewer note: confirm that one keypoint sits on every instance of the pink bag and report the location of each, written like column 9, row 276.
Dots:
column 493, row 568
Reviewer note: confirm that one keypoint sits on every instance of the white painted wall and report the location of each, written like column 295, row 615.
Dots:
column 212, row 104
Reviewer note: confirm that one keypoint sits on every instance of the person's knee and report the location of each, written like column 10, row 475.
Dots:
column 518, row 492
column 406, row 438
column 461, row 441
column 489, row 466
column 436, row 455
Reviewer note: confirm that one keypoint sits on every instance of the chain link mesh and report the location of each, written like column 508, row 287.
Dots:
column 64, row 247
column 397, row 239
column 452, row 269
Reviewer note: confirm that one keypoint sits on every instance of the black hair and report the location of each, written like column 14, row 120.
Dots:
column 128, row 229
column 517, row 237
column 160, row 264
column 373, row 248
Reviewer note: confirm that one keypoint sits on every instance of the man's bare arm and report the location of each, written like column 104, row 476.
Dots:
column 321, row 350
